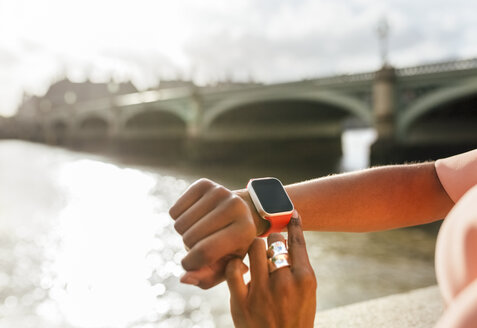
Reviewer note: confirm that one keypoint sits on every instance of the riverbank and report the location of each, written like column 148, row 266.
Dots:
column 420, row 308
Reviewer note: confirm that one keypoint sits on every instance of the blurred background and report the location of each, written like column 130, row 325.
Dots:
column 110, row 109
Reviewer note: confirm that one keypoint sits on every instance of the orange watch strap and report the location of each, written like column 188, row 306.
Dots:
column 277, row 224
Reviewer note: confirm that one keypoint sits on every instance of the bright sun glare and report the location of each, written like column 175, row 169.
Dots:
column 107, row 232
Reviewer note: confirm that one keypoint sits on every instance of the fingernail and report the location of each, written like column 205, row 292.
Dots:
column 295, row 214
column 189, row 281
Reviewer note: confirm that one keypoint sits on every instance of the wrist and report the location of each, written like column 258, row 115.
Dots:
column 261, row 225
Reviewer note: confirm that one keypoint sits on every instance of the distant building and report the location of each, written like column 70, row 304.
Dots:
column 65, row 93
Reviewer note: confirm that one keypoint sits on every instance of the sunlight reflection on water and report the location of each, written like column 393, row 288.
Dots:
column 110, row 258
column 117, row 240
column 107, row 229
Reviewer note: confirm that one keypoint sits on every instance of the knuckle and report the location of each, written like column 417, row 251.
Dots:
column 204, row 254
column 206, row 283
column 204, row 181
column 297, row 240
column 220, row 191
column 306, row 279
column 205, row 184
column 187, row 239
column 237, row 202
column 203, row 285
column 172, row 211
column 178, row 226
column 310, row 282
column 185, row 264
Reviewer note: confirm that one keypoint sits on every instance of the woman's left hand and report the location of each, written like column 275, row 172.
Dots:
column 285, row 297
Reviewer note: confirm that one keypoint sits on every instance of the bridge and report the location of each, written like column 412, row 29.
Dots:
column 412, row 107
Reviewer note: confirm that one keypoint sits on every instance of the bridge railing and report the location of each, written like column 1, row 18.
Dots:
column 456, row 65
column 358, row 77
column 153, row 96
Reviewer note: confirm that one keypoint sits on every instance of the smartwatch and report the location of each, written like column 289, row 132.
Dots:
column 272, row 202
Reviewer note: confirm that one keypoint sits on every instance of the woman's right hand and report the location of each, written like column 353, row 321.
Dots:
column 283, row 298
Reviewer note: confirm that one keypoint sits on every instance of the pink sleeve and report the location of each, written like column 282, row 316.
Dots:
column 458, row 173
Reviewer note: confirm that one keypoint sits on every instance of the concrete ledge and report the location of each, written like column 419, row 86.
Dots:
column 420, row 308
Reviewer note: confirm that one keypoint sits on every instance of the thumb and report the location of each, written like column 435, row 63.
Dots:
column 233, row 274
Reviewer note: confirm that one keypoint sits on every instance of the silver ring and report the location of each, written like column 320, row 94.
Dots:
column 277, row 262
column 279, row 256
column 277, row 248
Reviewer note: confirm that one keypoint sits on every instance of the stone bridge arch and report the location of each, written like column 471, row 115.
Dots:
column 83, row 118
column 153, row 131
column 266, row 127
column 133, row 116
column 94, row 123
column 93, row 131
column 346, row 103
column 433, row 102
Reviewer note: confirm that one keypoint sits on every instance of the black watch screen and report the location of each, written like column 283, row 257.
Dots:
column 272, row 195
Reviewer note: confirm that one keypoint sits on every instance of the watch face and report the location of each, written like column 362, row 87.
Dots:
column 272, row 196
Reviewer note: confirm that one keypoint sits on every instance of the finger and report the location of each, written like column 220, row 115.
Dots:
column 258, row 263
column 296, row 243
column 284, row 272
column 212, row 248
column 200, row 208
column 273, row 237
column 213, row 221
column 234, row 276
column 207, row 276
column 190, row 196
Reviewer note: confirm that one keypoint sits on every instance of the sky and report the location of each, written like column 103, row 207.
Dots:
column 207, row 41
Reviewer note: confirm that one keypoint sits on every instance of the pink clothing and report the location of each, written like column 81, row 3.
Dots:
column 456, row 249
column 461, row 313
column 456, row 263
column 458, row 173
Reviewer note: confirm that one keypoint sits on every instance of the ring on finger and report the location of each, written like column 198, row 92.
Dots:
column 277, row 262
column 277, row 248
column 278, row 256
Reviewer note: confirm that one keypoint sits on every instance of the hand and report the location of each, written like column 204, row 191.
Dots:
column 283, row 298
column 216, row 225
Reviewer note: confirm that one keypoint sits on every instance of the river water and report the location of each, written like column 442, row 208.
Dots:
column 86, row 241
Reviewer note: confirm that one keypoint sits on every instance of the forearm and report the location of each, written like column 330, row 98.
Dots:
column 374, row 199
